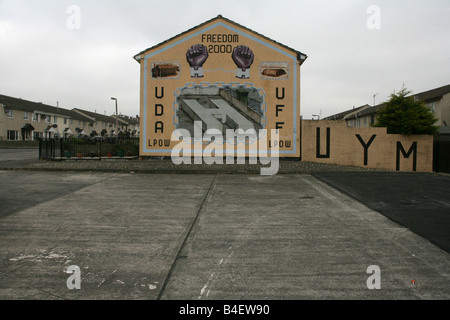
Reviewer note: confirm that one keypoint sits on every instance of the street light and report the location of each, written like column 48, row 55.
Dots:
column 117, row 119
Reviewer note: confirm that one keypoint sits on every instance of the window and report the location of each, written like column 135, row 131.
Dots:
column 432, row 106
column 9, row 113
column 35, row 116
column 71, row 121
column 365, row 121
column 48, row 119
column 55, row 119
column 25, row 115
column 13, row 135
column 37, row 135
column 65, row 120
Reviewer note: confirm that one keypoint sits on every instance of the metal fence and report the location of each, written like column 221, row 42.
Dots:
column 88, row 149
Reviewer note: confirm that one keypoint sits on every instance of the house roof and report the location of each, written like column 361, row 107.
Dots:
column 300, row 56
column 77, row 114
column 344, row 114
column 30, row 106
column 129, row 120
column 434, row 94
column 371, row 110
column 96, row 116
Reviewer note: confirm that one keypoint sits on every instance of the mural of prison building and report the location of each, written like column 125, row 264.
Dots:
column 220, row 108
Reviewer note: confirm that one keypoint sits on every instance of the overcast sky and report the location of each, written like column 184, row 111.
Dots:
column 355, row 48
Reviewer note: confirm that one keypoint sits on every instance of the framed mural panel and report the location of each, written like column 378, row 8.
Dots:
column 219, row 77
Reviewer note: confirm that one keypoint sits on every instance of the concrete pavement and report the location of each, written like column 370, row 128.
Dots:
column 210, row 236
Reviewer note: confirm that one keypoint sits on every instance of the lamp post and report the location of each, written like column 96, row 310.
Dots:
column 117, row 119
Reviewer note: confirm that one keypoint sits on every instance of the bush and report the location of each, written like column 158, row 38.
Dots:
column 404, row 115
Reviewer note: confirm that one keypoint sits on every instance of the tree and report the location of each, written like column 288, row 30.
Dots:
column 405, row 115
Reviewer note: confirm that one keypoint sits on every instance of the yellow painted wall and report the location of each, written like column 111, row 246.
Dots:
column 166, row 72
column 387, row 151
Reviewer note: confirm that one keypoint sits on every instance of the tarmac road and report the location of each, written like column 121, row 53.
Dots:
column 209, row 237
column 21, row 190
column 18, row 157
column 418, row 201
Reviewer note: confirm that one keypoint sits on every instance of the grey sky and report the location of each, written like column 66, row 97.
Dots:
column 41, row 59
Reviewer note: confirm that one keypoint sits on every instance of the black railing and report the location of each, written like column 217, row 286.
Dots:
column 88, row 148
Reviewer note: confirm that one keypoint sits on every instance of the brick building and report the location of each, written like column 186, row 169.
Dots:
column 23, row 120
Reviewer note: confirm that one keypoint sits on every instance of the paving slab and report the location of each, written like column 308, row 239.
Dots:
column 123, row 234
column 212, row 236
column 294, row 237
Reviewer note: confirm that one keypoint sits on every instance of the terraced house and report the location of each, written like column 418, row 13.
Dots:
column 103, row 125
column 437, row 100
column 23, row 120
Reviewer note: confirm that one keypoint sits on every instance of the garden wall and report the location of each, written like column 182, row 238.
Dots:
column 333, row 142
